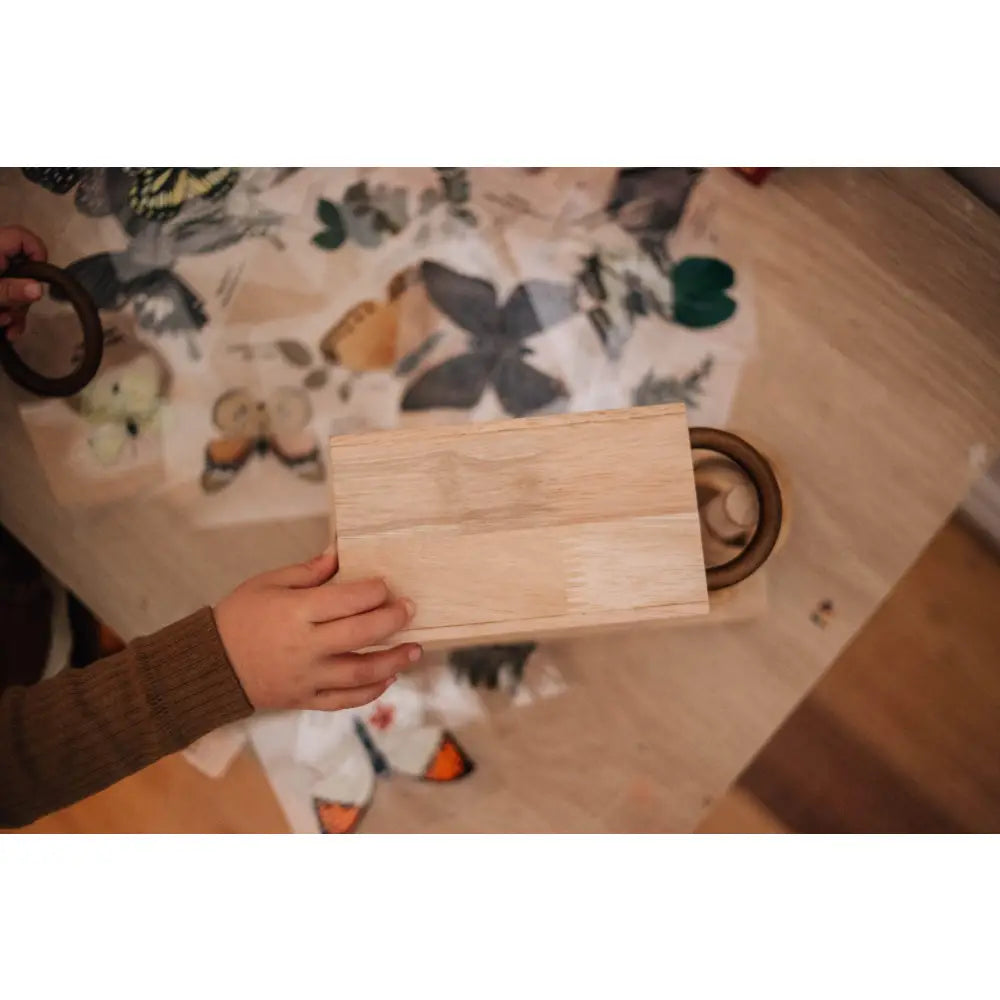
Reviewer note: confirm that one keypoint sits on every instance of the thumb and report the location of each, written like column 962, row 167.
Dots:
column 19, row 291
column 311, row 573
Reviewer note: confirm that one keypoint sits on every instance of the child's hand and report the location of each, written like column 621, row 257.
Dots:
column 16, row 294
column 290, row 637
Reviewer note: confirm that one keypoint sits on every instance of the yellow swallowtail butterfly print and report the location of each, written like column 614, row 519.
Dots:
column 157, row 193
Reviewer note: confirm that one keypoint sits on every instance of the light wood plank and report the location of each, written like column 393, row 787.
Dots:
column 525, row 527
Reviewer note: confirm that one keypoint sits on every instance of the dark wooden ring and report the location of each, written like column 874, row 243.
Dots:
column 93, row 334
column 765, row 484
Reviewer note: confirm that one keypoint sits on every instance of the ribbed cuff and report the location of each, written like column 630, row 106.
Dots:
column 191, row 685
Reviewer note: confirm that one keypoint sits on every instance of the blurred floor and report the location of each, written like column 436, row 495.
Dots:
column 903, row 733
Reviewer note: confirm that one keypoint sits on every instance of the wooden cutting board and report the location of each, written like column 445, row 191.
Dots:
column 525, row 528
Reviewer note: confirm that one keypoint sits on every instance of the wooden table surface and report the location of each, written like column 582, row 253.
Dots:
column 876, row 392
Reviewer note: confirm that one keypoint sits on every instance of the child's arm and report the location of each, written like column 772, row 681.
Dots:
column 74, row 734
column 281, row 640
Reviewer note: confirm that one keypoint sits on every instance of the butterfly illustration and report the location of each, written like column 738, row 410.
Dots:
column 485, row 665
column 454, row 183
column 382, row 746
column 250, row 426
column 122, row 403
column 377, row 335
column 365, row 215
column 166, row 213
column 391, row 334
column 497, row 348
column 455, row 189
column 155, row 193
column 159, row 192
column 648, row 203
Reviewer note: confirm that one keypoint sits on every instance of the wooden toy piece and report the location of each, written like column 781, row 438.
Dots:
column 93, row 334
column 752, row 523
column 726, row 505
column 525, row 528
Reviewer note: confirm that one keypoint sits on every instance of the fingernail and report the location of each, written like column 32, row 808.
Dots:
column 331, row 549
column 410, row 607
column 324, row 555
column 32, row 290
column 415, row 653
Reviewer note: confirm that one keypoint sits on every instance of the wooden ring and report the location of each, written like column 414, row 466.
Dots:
column 93, row 334
column 765, row 484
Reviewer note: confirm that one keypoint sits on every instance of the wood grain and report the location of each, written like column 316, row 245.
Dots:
column 903, row 733
column 740, row 812
column 170, row 796
column 875, row 391
column 525, row 527
column 908, row 738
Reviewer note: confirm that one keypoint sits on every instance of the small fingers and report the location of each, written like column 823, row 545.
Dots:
column 18, row 292
column 300, row 576
column 359, row 670
column 12, row 322
column 334, row 701
column 342, row 600
column 368, row 629
column 16, row 240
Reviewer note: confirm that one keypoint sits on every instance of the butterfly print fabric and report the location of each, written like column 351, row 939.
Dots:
column 376, row 297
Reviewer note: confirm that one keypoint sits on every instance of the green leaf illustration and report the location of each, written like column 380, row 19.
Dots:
column 328, row 214
column 330, row 239
column 700, row 298
column 701, row 313
column 694, row 277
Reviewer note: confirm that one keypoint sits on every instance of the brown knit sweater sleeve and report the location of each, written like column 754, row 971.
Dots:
column 82, row 730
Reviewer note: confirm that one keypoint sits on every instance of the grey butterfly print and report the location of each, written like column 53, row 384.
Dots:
column 496, row 349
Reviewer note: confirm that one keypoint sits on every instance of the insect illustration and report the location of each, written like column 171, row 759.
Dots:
column 152, row 192
column 392, row 334
column 124, row 400
column 484, row 665
column 382, row 746
column 365, row 215
column 159, row 192
column 250, row 426
column 496, row 346
column 648, row 202
column 166, row 213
